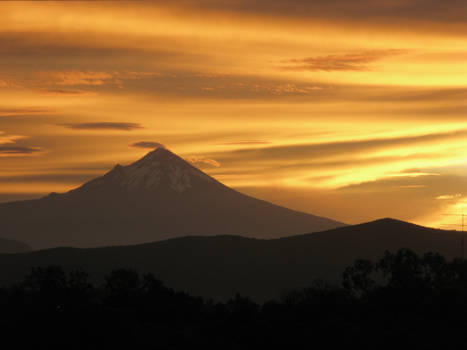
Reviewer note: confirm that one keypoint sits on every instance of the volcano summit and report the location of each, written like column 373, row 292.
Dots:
column 158, row 197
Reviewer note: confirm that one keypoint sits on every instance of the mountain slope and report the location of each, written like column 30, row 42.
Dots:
column 158, row 197
column 220, row 266
column 8, row 246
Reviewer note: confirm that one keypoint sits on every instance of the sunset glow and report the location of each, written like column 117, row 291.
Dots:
column 352, row 115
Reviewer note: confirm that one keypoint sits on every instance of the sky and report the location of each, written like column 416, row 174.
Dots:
column 354, row 110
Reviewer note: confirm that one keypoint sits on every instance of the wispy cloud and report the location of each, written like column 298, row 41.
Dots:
column 55, row 177
column 359, row 11
column 245, row 142
column 72, row 78
column 9, row 146
column 204, row 161
column 174, row 82
column 103, row 126
column 10, row 112
column 359, row 61
column 67, row 92
column 343, row 148
column 91, row 78
column 338, row 160
column 449, row 196
column 147, row 144
column 17, row 150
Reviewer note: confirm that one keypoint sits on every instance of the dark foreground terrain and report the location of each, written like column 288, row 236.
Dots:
column 402, row 301
column 218, row 267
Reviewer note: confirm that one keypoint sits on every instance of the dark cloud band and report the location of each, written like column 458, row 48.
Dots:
column 103, row 126
column 358, row 61
column 427, row 10
column 147, row 144
column 17, row 150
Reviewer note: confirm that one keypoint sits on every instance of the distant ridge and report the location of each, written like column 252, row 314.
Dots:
column 220, row 266
column 157, row 197
column 8, row 246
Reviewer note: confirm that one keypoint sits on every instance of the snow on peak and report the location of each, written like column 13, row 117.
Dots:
column 157, row 154
column 160, row 168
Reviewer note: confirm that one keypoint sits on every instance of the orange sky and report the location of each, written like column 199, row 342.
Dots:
column 351, row 110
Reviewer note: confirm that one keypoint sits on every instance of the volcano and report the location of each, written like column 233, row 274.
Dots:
column 158, row 197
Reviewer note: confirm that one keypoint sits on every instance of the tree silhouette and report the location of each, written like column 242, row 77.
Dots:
column 401, row 300
column 123, row 287
column 358, row 279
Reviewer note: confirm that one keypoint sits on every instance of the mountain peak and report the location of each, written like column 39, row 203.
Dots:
column 158, row 169
column 157, row 197
column 159, row 153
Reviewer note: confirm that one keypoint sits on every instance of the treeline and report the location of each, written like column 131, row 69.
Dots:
column 402, row 300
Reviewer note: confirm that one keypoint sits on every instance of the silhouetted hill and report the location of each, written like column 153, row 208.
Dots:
column 8, row 246
column 160, row 196
column 220, row 266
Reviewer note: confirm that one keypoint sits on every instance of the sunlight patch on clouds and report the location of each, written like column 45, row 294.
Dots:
column 202, row 161
column 5, row 138
column 9, row 146
column 449, row 217
column 411, row 186
column 449, row 196
column 359, row 101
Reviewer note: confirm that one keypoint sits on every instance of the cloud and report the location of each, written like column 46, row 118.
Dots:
column 350, row 162
column 147, row 144
column 293, row 89
column 315, row 151
column 419, row 95
column 91, row 78
column 449, row 196
column 340, row 162
column 17, row 150
column 406, row 198
column 409, row 187
column 356, row 10
column 204, row 161
column 47, row 42
column 7, row 83
column 349, row 62
column 414, row 197
column 176, row 83
column 167, row 82
column 433, row 185
column 9, row 139
column 66, row 178
column 245, row 142
column 72, row 78
column 10, row 146
column 10, row 112
column 62, row 81
column 103, row 126
column 67, row 92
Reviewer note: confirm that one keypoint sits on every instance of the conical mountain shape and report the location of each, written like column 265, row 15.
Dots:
column 158, row 171
column 158, row 197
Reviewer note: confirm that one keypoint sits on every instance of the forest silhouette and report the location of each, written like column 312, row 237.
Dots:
column 403, row 299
